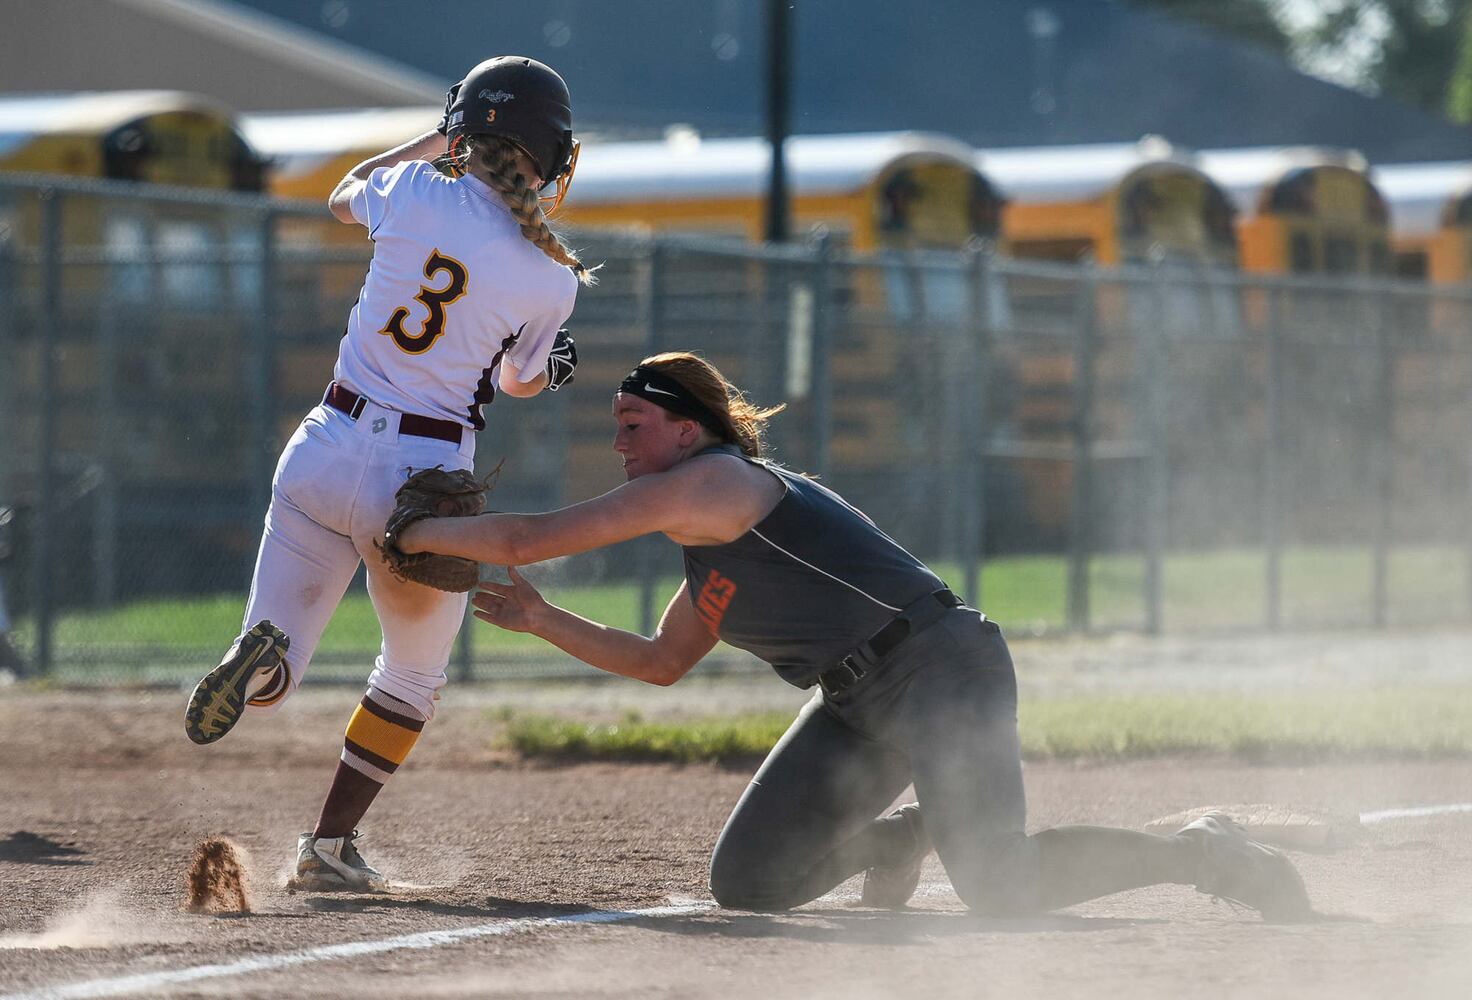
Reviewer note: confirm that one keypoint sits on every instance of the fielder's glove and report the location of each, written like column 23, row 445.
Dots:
column 434, row 493
column 562, row 361
column 443, row 128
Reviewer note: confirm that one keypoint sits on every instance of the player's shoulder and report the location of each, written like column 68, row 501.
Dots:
column 540, row 274
column 412, row 180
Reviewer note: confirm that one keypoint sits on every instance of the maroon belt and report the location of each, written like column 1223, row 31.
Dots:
column 349, row 402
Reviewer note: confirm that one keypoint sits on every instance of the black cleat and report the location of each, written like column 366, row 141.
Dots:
column 219, row 699
column 1236, row 868
column 891, row 886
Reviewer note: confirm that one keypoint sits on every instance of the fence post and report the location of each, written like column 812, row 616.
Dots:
column 977, row 434
column 261, row 380
column 1272, row 471
column 52, row 321
column 822, row 430
column 653, row 336
column 1385, row 361
column 1157, row 482
column 1080, row 540
column 105, row 520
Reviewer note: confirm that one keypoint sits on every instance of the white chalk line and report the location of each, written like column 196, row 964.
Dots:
column 434, row 939
column 1412, row 812
column 145, row 982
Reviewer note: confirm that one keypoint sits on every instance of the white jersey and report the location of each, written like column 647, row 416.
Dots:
column 453, row 284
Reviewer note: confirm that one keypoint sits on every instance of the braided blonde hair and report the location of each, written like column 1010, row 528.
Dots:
column 498, row 158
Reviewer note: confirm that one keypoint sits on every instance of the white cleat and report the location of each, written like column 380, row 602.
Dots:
column 333, row 864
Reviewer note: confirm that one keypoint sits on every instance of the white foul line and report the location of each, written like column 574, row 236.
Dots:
column 265, row 963
column 1381, row 815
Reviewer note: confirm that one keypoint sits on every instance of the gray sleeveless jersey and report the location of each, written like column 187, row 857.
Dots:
column 806, row 585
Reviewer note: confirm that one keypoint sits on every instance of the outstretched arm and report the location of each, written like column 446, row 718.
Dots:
column 702, row 502
column 680, row 641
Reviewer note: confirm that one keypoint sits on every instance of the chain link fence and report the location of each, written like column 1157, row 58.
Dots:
column 1072, row 448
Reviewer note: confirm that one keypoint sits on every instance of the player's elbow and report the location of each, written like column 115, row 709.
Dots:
column 341, row 210
column 511, row 384
column 666, row 668
column 520, row 390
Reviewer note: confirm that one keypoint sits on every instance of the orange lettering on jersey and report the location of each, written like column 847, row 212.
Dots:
column 715, row 598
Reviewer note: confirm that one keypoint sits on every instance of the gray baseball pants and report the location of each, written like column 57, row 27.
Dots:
column 940, row 711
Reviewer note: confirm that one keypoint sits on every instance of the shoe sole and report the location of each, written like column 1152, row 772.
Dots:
column 328, row 883
column 1220, row 831
column 891, row 888
column 218, row 700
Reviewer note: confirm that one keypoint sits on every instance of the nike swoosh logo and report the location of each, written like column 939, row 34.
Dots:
column 249, row 665
column 662, row 392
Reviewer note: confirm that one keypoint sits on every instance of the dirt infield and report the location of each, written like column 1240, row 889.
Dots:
column 104, row 801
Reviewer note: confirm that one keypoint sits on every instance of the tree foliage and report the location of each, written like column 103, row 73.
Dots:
column 1253, row 21
column 1416, row 51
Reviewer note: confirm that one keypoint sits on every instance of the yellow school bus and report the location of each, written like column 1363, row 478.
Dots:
column 1430, row 219
column 1304, row 210
column 883, row 190
column 311, row 151
column 152, row 136
column 1113, row 203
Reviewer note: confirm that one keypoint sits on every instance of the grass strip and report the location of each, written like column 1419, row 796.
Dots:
column 1023, row 593
column 1368, row 723
column 714, row 740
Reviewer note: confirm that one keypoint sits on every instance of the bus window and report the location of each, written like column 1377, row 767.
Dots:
column 939, row 205
column 1175, row 215
column 188, row 283
column 126, row 237
column 1294, row 201
column 1115, row 203
column 1341, row 256
column 1301, row 256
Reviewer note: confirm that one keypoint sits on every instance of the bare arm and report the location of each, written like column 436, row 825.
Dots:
column 511, row 384
column 680, row 641
column 424, row 147
column 705, row 501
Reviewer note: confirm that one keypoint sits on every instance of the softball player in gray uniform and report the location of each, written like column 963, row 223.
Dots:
column 465, row 297
column 912, row 685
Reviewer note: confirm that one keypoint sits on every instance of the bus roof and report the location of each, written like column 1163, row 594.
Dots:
column 26, row 117
column 298, row 142
column 1074, row 173
column 1419, row 194
column 1247, row 172
column 691, row 167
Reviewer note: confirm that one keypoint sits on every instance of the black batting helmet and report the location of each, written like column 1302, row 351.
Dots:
column 520, row 99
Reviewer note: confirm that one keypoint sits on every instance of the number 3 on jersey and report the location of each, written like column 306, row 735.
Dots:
column 435, row 300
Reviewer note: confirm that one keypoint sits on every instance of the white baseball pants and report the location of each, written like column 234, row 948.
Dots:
column 331, row 495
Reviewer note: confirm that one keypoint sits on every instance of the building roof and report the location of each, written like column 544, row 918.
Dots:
column 992, row 72
column 239, row 56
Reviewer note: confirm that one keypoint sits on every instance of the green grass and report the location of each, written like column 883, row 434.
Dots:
column 737, row 738
column 1391, row 722
column 1023, row 592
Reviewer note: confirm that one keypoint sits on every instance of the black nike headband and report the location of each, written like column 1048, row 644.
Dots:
column 669, row 394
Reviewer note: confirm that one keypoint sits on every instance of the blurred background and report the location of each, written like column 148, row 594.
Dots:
column 1141, row 315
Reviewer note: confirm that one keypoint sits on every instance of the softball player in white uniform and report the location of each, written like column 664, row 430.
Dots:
column 465, row 297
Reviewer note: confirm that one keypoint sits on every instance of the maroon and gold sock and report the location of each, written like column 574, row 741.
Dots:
column 380, row 735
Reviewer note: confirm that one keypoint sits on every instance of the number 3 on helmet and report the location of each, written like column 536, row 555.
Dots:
column 526, row 102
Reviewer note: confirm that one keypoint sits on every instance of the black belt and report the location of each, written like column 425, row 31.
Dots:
column 341, row 398
column 913, row 619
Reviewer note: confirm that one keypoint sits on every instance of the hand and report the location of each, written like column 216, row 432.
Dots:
column 561, row 361
column 515, row 606
column 443, row 128
column 408, row 539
